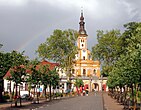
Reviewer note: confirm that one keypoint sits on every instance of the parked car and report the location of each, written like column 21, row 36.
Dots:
column 26, row 97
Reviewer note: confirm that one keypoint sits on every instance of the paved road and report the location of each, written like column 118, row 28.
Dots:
column 90, row 102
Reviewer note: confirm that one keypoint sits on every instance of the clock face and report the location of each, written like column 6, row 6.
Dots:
column 82, row 32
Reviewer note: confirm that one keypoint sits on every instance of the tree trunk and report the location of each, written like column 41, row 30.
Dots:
column 16, row 95
column 10, row 92
column 50, row 91
column 20, row 96
column 45, row 93
column 132, row 92
column 1, row 89
column 37, row 94
column 135, row 98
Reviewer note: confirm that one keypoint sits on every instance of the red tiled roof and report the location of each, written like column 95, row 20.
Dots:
column 44, row 62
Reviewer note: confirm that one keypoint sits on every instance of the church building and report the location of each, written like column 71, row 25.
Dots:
column 84, row 67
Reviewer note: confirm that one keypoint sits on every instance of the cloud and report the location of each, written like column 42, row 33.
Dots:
column 13, row 2
column 24, row 24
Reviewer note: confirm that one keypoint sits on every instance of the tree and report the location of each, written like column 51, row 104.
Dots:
column 44, row 69
column 35, row 76
column 53, row 78
column 78, row 83
column 126, row 67
column 60, row 47
column 108, row 49
column 17, row 75
column 7, row 61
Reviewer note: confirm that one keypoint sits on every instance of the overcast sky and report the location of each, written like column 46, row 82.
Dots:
column 25, row 24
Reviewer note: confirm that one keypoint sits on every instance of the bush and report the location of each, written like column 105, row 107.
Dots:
column 58, row 94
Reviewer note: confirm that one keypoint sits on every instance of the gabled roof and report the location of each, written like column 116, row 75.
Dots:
column 44, row 62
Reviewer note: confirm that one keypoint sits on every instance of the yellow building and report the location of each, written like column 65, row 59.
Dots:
column 84, row 67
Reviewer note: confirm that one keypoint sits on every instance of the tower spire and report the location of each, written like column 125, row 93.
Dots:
column 82, row 24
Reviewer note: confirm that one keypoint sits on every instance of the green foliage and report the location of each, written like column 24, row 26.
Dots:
column 78, row 82
column 17, row 70
column 107, row 50
column 120, row 55
column 59, row 47
column 9, row 60
column 34, row 77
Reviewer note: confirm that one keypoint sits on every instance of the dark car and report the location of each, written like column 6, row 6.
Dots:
column 24, row 96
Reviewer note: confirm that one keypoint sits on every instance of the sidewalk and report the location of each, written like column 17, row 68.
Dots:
column 25, row 105
column 28, row 105
column 111, row 104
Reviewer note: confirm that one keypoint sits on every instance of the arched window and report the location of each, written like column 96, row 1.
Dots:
column 84, row 72
column 94, row 72
column 73, row 70
column 83, row 57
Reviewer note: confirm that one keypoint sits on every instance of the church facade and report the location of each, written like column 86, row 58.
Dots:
column 84, row 67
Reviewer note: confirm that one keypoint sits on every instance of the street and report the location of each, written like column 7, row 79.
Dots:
column 90, row 102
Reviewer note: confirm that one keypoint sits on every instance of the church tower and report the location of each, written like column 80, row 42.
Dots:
column 84, row 65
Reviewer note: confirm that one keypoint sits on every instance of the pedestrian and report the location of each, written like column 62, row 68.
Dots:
column 87, row 92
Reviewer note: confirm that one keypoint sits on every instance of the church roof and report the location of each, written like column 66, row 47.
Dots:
column 82, row 30
column 44, row 62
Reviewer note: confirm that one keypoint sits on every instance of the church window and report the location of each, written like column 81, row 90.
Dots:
column 26, row 87
column 82, row 45
column 73, row 70
column 84, row 72
column 83, row 57
column 8, row 86
column 94, row 72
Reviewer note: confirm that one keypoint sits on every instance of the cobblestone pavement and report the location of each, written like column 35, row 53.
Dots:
column 90, row 102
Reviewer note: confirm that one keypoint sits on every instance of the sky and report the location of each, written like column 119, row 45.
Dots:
column 25, row 24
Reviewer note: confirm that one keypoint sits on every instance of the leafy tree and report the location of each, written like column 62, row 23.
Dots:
column 53, row 78
column 7, row 61
column 78, row 83
column 17, row 75
column 44, row 69
column 108, row 49
column 35, row 75
column 126, row 69
column 60, row 47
